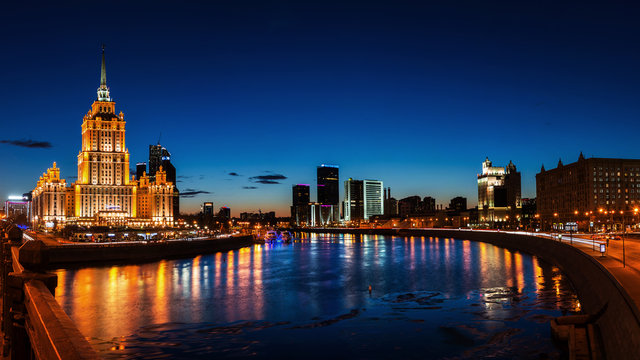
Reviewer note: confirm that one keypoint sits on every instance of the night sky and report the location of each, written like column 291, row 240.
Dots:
column 250, row 96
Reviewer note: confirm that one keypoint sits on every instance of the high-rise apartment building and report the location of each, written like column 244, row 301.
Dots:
column 498, row 193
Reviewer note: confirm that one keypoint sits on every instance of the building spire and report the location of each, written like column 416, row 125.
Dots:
column 103, row 71
column 103, row 90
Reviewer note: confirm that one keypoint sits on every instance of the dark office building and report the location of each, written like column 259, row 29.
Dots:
column 429, row 205
column 529, row 212
column 328, row 193
column 300, row 205
column 207, row 209
column 156, row 155
column 328, row 187
column 409, row 205
column 224, row 213
column 353, row 209
column 457, row 205
column 171, row 176
column 141, row 168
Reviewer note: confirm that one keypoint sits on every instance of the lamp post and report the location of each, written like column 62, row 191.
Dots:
column 624, row 263
column 575, row 221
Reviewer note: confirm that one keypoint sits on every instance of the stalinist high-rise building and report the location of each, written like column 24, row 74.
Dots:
column 104, row 193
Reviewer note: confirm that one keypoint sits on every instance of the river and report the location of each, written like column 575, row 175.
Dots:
column 430, row 298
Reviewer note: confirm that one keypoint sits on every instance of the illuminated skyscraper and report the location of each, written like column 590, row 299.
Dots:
column 103, row 187
column 104, row 193
column 498, row 193
column 373, row 198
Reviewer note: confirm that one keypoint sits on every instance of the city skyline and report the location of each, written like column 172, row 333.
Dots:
column 252, row 100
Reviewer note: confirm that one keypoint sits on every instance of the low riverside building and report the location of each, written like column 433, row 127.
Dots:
column 597, row 193
column 104, row 193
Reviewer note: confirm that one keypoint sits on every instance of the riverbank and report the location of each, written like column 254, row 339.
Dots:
column 74, row 255
column 595, row 285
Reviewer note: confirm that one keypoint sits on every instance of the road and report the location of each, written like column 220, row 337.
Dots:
column 627, row 273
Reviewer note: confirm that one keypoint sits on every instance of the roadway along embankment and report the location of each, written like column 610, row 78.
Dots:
column 595, row 286
column 67, row 255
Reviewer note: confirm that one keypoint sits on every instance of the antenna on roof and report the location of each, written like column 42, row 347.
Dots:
column 159, row 137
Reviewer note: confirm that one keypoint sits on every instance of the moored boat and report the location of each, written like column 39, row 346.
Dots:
column 286, row 236
column 271, row 236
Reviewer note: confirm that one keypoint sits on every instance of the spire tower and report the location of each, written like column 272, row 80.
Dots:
column 103, row 90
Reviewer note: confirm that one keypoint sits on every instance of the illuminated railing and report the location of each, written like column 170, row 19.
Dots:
column 34, row 324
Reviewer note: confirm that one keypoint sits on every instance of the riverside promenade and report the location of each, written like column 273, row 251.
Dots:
column 627, row 272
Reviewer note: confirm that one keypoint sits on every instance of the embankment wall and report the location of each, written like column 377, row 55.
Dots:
column 90, row 254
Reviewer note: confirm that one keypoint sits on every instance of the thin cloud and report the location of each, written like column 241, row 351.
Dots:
column 234, row 174
column 267, row 179
column 249, row 187
column 28, row 143
column 189, row 193
column 266, row 182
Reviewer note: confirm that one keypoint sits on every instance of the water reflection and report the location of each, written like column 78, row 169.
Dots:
column 317, row 283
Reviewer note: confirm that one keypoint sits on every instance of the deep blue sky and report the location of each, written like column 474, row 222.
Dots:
column 411, row 93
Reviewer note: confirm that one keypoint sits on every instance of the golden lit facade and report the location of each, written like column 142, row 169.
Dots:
column 49, row 197
column 104, row 193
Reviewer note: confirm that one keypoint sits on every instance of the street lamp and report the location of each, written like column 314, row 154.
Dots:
column 624, row 263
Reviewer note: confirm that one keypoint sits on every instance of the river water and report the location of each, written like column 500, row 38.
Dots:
column 430, row 298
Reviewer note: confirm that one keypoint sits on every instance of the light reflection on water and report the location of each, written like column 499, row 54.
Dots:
column 445, row 296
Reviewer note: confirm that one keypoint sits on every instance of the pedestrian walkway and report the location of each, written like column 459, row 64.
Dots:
column 628, row 272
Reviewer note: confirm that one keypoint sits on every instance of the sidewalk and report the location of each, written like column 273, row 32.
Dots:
column 628, row 276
